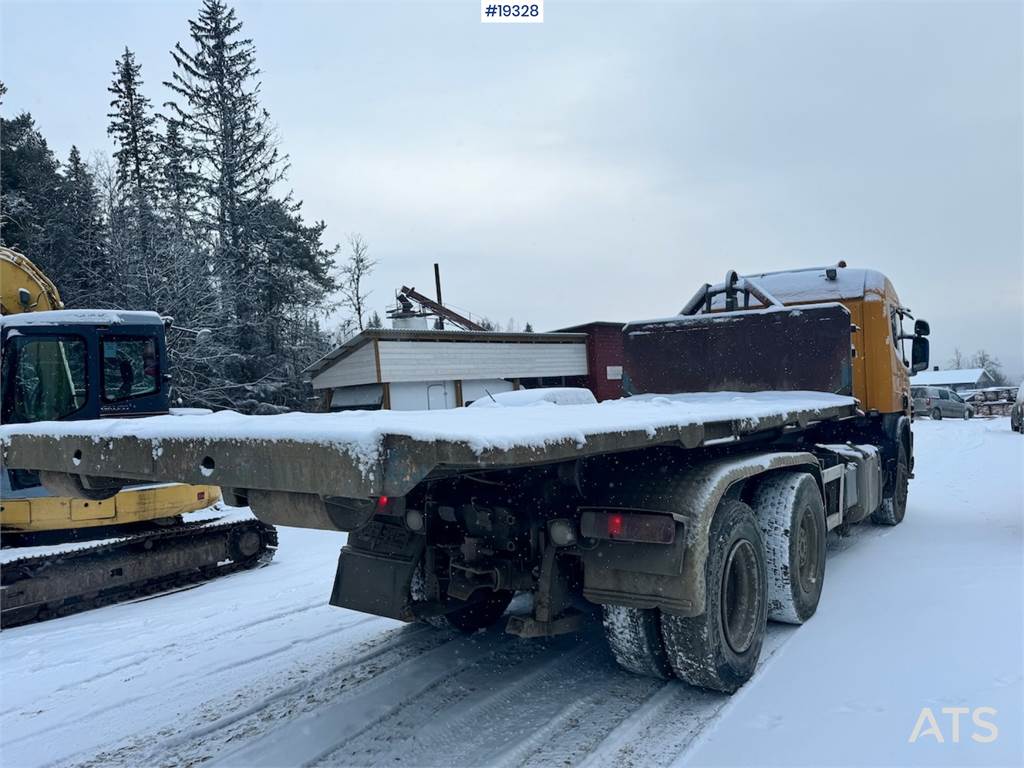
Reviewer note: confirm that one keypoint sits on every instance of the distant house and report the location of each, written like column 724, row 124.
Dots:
column 957, row 379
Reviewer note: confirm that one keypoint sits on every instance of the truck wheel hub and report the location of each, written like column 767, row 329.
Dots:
column 741, row 591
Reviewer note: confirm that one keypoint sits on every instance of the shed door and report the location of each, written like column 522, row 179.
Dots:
column 438, row 397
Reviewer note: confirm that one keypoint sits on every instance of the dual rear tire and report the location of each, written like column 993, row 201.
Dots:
column 719, row 649
column 765, row 561
column 792, row 518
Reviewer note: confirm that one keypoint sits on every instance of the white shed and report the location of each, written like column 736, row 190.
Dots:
column 404, row 369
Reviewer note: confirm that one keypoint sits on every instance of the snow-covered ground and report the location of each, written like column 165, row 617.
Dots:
column 257, row 669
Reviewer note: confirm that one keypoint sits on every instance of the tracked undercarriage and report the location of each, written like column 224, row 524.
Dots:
column 46, row 586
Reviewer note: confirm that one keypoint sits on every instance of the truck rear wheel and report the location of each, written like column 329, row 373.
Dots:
column 634, row 635
column 792, row 518
column 719, row 649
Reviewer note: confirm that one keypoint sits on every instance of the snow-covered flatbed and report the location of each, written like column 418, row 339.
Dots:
column 362, row 453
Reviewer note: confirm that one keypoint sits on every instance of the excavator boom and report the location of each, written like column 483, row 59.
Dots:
column 24, row 287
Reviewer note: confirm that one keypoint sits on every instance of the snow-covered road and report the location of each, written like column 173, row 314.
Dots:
column 256, row 669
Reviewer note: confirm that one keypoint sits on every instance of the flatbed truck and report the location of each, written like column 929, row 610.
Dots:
column 773, row 409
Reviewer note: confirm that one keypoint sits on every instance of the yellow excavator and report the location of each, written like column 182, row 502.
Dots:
column 63, row 365
column 25, row 288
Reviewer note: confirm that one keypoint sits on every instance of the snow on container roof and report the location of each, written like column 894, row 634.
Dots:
column 82, row 317
column 948, row 377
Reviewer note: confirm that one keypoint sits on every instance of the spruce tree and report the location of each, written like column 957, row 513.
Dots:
column 132, row 126
column 85, row 276
column 269, row 270
column 137, row 239
column 177, row 180
column 31, row 208
column 228, row 132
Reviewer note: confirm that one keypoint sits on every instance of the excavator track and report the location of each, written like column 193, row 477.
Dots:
column 47, row 586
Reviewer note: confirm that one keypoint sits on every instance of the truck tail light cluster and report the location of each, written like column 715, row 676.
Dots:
column 627, row 525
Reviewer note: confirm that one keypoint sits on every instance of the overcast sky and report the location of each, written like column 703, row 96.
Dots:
column 603, row 164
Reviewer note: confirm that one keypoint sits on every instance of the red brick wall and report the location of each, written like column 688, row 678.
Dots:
column 604, row 348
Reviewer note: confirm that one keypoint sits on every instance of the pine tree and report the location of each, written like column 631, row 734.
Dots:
column 270, row 271
column 132, row 126
column 85, row 275
column 375, row 321
column 177, row 179
column 32, row 191
column 228, row 132
column 230, row 146
column 137, row 237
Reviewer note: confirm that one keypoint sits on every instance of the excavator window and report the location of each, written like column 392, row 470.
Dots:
column 130, row 367
column 44, row 378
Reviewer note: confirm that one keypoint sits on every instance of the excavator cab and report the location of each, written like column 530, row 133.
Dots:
column 75, row 364
column 67, row 365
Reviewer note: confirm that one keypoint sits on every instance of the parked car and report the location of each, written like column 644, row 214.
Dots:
column 1017, row 412
column 939, row 403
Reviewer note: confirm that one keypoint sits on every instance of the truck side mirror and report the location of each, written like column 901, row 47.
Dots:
column 919, row 354
column 921, row 328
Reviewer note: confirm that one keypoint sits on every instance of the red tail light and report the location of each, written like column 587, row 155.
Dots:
column 200, row 495
column 628, row 526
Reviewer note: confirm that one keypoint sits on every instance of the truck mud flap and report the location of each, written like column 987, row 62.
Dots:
column 637, row 575
column 375, row 570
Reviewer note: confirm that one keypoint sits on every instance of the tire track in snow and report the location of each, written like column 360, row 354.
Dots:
column 203, row 674
column 168, row 746
column 447, row 724
column 140, row 658
column 669, row 721
column 311, row 736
